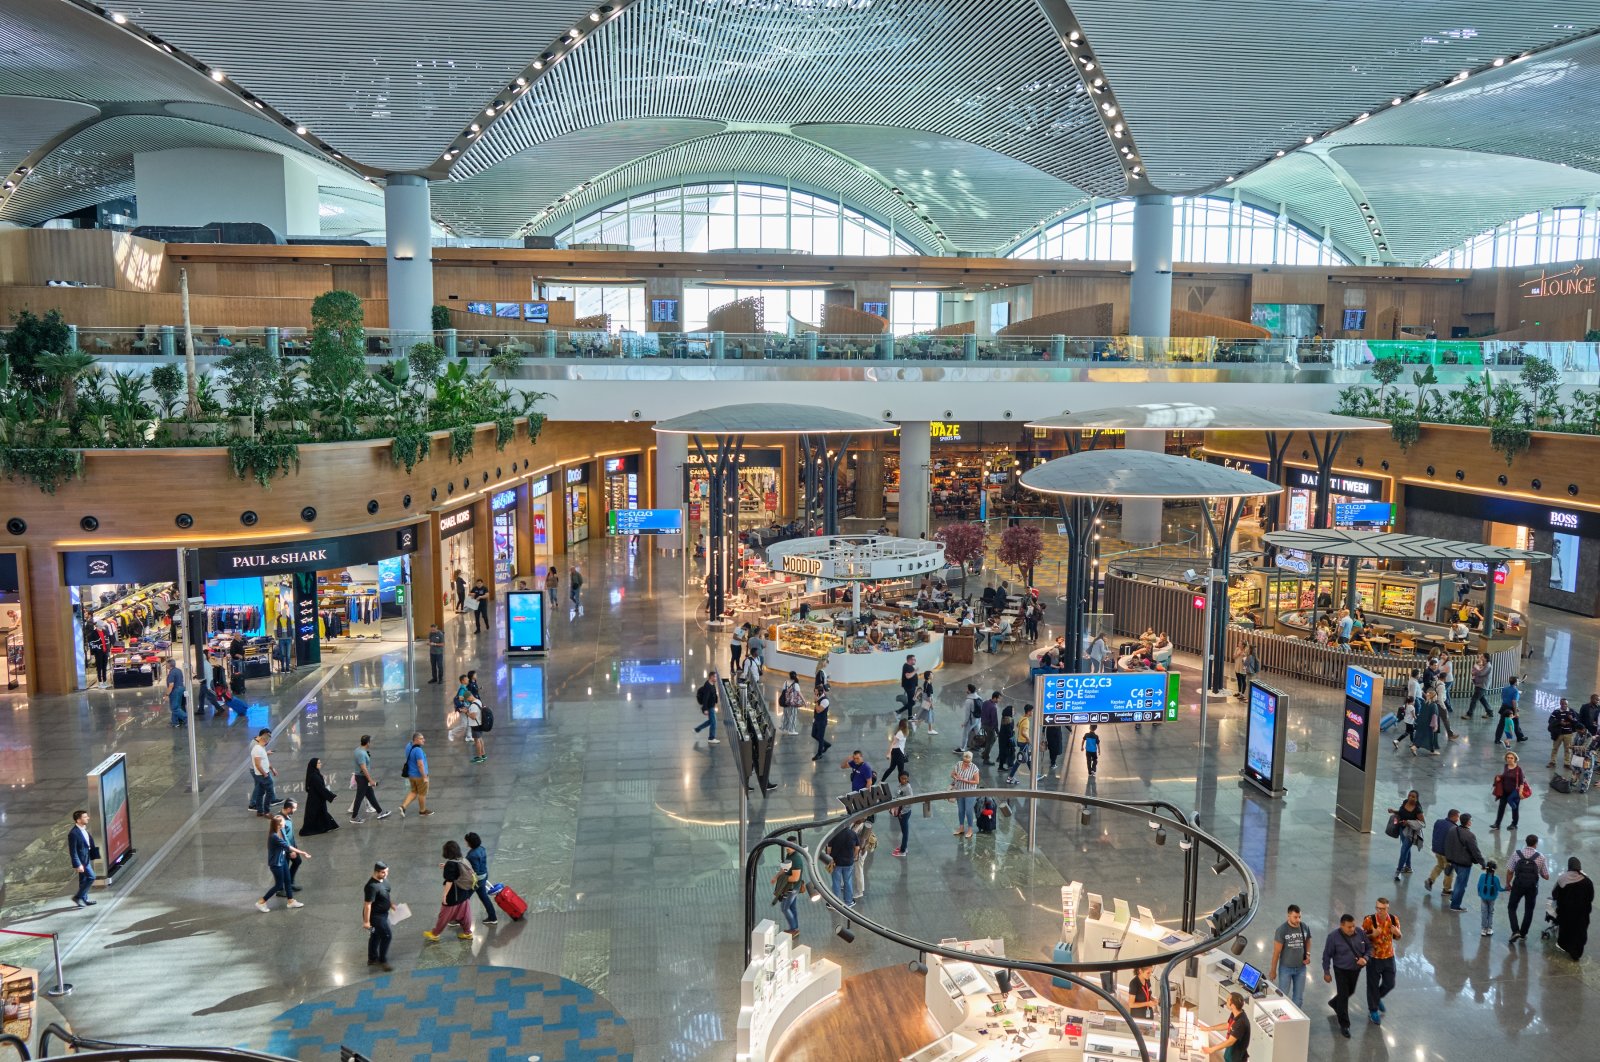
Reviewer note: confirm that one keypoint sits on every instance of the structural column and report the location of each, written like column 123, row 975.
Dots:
column 1141, row 517
column 1150, row 288
column 916, row 456
column 869, row 482
column 672, row 457
column 409, row 261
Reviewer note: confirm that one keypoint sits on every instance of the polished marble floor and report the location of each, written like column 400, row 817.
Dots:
column 621, row 827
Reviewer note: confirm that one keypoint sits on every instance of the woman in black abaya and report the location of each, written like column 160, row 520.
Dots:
column 318, row 796
column 1574, row 898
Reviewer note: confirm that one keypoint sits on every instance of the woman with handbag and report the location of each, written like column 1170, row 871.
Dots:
column 1405, row 822
column 897, row 747
column 1510, row 787
column 789, row 699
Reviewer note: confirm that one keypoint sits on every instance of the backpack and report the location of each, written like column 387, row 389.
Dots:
column 791, row 696
column 405, row 766
column 468, row 880
column 1524, row 872
column 486, row 718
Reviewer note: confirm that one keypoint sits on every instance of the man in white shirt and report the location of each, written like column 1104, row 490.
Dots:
column 262, row 773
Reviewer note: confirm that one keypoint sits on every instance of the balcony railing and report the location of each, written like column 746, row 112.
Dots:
column 562, row 344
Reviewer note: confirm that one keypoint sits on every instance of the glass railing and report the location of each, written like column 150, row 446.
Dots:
column 1351, row 354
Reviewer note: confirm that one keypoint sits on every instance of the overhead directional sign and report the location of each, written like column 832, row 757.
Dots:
column 644, row 522
column 1146, row 697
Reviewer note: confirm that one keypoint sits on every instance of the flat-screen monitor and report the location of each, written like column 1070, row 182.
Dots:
column 525, row 622
column 1250, row 977
column 1355, row 320
column 110, row 785
column 480, row 307
column 1261, row 737
column 1358, row 705
column 664, row 311
column 512, row 310
column 538, row 312
column 881, row 309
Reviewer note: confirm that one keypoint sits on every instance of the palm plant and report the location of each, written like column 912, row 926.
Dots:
column 61, row 373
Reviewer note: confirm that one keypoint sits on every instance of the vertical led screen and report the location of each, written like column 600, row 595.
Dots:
column 1358, row 704
column 1260, row 749
column 110, row 782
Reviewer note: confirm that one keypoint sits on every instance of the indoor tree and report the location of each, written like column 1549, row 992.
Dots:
column 30, row 337
column 963, row 543
column 1022, row 545
column 337, row 360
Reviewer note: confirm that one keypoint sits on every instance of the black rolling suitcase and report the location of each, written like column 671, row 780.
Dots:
column 987, row 814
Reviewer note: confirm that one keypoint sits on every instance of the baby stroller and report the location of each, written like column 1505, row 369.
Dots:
column 1550, row 925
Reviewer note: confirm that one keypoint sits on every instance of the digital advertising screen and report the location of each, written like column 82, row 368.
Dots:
column 1355, row 320
column 880, row 309
column 525, row 626
column 1564, row 562
column 664, row 311
column 538, row 312
column 481, row 307
column 1358, row 706
column 1067, row 700
column 1261, row 736
column 111, row 785
column 512, row 310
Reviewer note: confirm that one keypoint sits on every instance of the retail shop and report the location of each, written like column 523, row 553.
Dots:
column 1344, row 490
column 757, row 484
column 576, row 481
column 12, row 636
column 458, row 548
column 621, row 475
column 542, row 520
column 503, row 513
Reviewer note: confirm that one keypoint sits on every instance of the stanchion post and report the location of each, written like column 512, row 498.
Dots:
column 62, row 988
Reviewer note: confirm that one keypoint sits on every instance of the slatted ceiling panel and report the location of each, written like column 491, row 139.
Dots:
column 1539, row 108
column 989, row 73
column 347, row 213
column 387, row 82
column 499, row 201
column 1430, row 199
column 981, row 200
column 52, row 48
column 1315, row 198
column 247, row 122
column 27, row 123
column 1211, row 88
column 97, row 164
column 774, row 156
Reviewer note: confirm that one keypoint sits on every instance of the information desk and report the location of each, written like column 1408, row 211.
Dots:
column 799, row 646
column 781, row 983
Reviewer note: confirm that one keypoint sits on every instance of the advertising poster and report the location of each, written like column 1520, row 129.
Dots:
column 1357, row 706
column 1261, row 736
column 109, row 783
column 525, row 627
column 1564, row 562
column 1428, row 601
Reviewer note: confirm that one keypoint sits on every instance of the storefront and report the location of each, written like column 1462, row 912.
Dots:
column 124, row 607
column 758, row 478
column 542, row 518
column 459, row 554
column 1569, row 580
column 503, row 511
column 621, row 482
column 577, row 505
column 1344, row 490
column 15, row 665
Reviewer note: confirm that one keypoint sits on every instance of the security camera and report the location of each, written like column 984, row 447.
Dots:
column 949, row 413
column 637, row 414
column 888, row 413
column 1006, row 414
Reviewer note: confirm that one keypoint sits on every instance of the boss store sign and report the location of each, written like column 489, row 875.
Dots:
column 1581, row 522
column 1348, row 486
column 456, row 521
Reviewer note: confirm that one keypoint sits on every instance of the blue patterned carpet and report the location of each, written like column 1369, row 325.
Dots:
column 492, row 1013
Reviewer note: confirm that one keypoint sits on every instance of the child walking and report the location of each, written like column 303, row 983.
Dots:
column 1489, row 889
column 1091, row 748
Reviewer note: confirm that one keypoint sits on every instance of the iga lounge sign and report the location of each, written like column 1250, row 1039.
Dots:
column 1549, row 285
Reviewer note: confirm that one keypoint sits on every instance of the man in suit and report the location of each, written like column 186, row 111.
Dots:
column 81, row 849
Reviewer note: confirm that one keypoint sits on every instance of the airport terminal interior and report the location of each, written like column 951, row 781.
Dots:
column 799, row 530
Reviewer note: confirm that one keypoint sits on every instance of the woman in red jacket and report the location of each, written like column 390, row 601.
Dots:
column 1508, row 790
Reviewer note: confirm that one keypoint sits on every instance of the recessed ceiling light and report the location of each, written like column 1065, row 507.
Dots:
column 217, row 75
column 1228, row 181
column 1396, row 102
column 300, row 130
column 522, row 81
column 1309, row 139
column 1099, row 81
column 1088, row 65
column 1500, row 61
column 119, row 18
column 489, row 112
column 1074, row 35
column 1136, row 169
column 475, row 127
column 573, row 33
column 1280, row 153
column 537, row 65
column 594, row 16
column 1462, row 76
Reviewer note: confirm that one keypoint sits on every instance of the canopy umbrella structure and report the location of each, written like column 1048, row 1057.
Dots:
column 1325, row 432
column 728, row 427
column 1379, row 545
column 1083, row 481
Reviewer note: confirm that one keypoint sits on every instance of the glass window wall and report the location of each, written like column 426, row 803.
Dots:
column 1205, row 229
column 1564, row 234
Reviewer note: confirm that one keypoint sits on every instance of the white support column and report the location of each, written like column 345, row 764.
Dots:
column 672, row 454
column 1150, row 288
column 409, row 259
column 916, row 455
column 1141, row 517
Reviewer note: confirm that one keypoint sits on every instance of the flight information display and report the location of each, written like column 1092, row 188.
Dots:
column 644, row 522
column 1147, row 697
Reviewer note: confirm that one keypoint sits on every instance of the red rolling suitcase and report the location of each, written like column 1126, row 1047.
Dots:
column 506, row 898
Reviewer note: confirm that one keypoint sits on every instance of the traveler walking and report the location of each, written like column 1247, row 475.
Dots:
column 1574, row 901
column 459, row 582
column 971, row 721
column 480, row 605
column 897, row 746
column 1407, row 716
column 908, row 687
column 755, row 654
column 366, row 785
column 455, row 903
column 843, row 849
column 903, row 815
column 1426, row 734
column 1480, row 687
column 478, row 860
column 1510, row 716
column 1053, row 744
column 415, row 771
column 318, row 796
column 435, row 654
column 1589, row 715
column 552, row 583
column 790, row 699
column 1097, row 654
column 1563, row 724
column 1523, row 871
column 1461, row 849
column 290, row 834
column 1091, row 748
column 262, row 796
column 575, row 588
column 1510, row 787
column 279, row 852
column 819, row 726
column 736, row 647
column 1405, row 822
column 708, row 699
column 375, row 907
column 925, row 704
column 82, row 850
column 964, row 779
column 1291, row 956
column 1382, row 930
column 1345, row 954
column 177, row 695
column 1438, row 715
column 788, row 885
column 1008, row 738
column 1489, row 890
column 1024, row 754
column 989, row 712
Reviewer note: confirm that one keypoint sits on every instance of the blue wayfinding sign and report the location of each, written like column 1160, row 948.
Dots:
column 1346, row 514
column 644, row 522
column 1150, row 697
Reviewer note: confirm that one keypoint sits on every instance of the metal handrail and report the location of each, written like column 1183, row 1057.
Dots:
column 17, row 1043
column 86, row 1049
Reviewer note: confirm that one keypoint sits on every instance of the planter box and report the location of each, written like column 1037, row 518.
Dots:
column 285, row 427
column 199, row 430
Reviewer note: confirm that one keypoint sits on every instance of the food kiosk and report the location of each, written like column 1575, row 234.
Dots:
column 851, row 658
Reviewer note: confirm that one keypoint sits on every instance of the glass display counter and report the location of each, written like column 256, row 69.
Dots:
column 854, row 658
